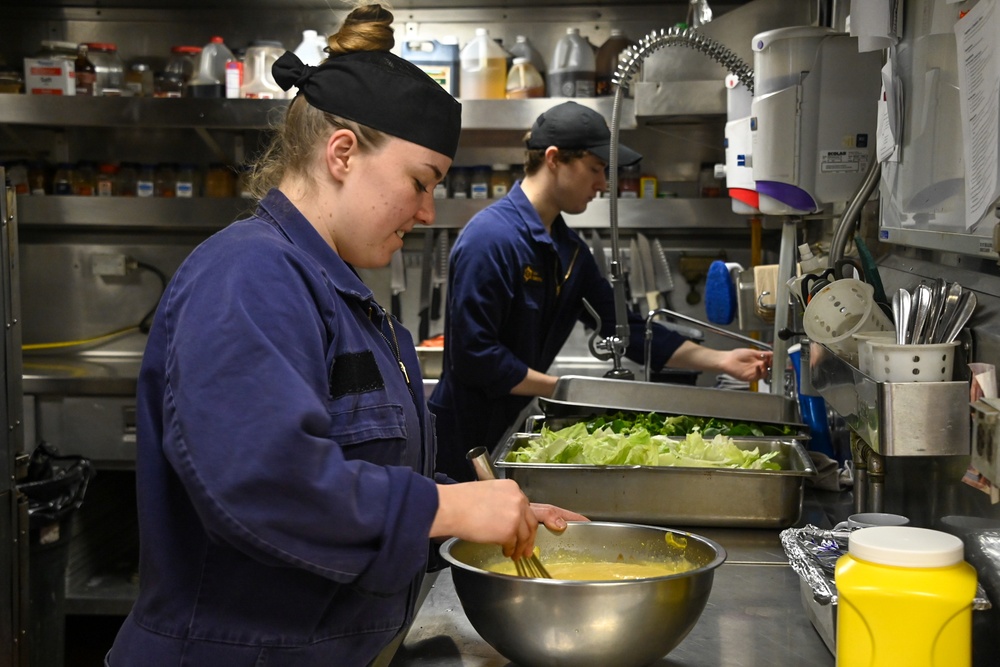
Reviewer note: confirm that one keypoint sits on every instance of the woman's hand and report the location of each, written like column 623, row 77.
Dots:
column 495, row 512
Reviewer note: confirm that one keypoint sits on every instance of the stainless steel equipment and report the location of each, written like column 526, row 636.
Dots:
column 667, row 496
column 573, row 394
column 586, row 623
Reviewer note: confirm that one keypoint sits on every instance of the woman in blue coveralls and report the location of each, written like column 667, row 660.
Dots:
column 286, row 497
column 516, row 283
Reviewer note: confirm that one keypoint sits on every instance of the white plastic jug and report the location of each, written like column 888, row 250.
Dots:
column 571, row 72
column 484, row 69
column 310, row 49
column 258, row 81
column 210, row 78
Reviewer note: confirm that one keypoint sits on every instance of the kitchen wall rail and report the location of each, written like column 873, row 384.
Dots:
column 208, row 213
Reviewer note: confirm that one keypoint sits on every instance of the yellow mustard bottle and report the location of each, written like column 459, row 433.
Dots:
column 904, row 597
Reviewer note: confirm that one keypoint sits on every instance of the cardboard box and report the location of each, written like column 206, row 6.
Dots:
column 49, row 76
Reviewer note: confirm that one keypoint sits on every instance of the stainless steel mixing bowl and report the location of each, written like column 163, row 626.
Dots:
column 587, row 623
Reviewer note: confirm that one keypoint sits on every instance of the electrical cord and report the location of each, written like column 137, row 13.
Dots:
column 143, row 326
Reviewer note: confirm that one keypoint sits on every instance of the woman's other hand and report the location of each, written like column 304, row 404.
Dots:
column 495, row 512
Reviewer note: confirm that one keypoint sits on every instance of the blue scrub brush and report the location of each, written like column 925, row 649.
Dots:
column 720, row 292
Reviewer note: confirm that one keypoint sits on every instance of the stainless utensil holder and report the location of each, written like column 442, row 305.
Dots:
column 894, row 418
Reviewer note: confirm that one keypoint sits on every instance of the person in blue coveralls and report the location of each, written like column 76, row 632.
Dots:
column 286, row 496
column 516, row 283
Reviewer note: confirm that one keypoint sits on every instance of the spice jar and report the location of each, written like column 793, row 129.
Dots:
column 62, row 180
column 37, row 178
column 628, row 181
column 145, row 183
column 459, row 183
column 128, row 179
column 187, row 184
column 500, row 181
column 219, row 181
column 165, row 180
column 86, row 73
column 139, row 79
column 107, row 180
column 479, row 183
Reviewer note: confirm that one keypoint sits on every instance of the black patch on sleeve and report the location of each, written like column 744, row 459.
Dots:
column 355, row 373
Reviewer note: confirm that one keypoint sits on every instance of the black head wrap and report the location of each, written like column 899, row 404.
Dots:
column 380, row 90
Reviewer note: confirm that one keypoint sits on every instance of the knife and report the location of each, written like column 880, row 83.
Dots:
column 440, row 272
column 664, row 277
column 648, row 271
column 636, row 283
column 426, row 269
column 597, row 247
column 398, row 283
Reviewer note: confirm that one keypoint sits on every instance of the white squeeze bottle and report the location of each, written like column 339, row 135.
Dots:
column 484, row 69
column 573, row 65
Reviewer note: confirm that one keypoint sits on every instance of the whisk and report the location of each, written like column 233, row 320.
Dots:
column 530, row 567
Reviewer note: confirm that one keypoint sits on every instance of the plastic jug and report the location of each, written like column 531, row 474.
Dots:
column 607, row 61
column 904, row 598
column 524, row 81
column 438, row 59
column 310, row 49
column 210, row 78
column 523, row 48
column 571, row 72
column 484, row 68
column 258, row 81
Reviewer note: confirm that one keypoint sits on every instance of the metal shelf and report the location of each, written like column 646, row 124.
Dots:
column 206, row 213
column 145, row 112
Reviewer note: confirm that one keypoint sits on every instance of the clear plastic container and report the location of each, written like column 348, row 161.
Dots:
column 628, row 181
column 524, row 81
column 607, row 62
column 572, row 70
column 210, row 78
column 484, row 69
column 258, row 81
column 904, row 597
column 180, row 68
column 109, row 68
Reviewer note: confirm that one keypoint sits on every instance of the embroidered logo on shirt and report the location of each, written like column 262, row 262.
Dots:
column 531, row 275
column 355, row 373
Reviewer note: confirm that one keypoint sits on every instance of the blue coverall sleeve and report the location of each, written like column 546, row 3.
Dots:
column 480, row 295
column 252, row 434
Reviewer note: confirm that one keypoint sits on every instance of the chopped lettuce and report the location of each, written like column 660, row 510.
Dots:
column 635, row 446
column 659, row 424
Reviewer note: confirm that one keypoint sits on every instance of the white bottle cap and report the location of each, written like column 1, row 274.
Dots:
column 572, row 31
column 905, row 546
column 519, row 60
column 805, row 252
column 482, row 31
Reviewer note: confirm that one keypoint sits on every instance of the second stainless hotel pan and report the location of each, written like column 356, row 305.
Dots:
column 669, row 496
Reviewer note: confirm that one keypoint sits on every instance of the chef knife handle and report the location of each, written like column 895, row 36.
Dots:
column 397, row 307
column 436, row 303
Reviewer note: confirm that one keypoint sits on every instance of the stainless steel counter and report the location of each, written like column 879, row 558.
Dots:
column 753, row 617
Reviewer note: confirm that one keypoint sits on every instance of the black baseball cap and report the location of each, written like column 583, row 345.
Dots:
column 572, row 126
